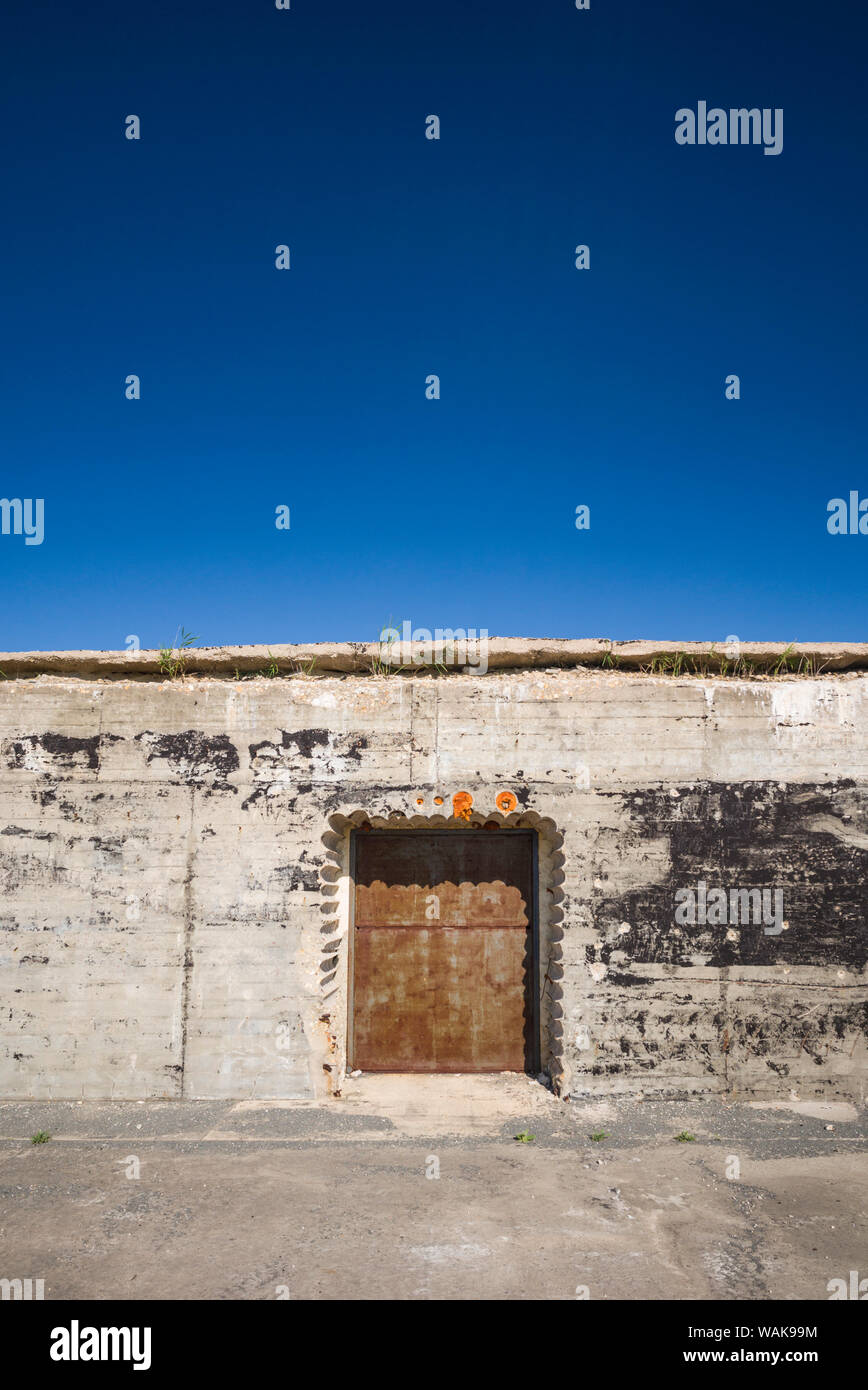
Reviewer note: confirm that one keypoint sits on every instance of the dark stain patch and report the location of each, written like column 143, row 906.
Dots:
column 66, row 753
column 787, row 1027
column 197, row 758
column 804, row 840
column 113, row 848
column 30, row 834
column 296, row 877
column 305, row 740
column 623, row 977
column 278, row 764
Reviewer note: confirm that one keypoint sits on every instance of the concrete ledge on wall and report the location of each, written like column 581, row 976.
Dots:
column 498, row 653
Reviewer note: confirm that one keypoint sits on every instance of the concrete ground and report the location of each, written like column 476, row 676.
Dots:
column 416, row 1188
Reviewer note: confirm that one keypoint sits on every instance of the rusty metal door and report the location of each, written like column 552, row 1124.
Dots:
column 444, row 951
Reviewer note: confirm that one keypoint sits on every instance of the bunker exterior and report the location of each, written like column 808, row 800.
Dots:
column 229, row 888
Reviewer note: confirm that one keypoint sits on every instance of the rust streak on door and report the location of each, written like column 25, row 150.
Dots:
column 443, row 951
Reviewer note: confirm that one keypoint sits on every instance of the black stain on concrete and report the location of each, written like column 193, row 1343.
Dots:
column 297, row 878
column 112, row 848
column 267, row 757
column 808, row 841
column 305, row 740
column 786, row 1028
column 197, row 759
column 63, row 752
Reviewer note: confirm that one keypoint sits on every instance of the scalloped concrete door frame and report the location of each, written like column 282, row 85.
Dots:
column 330, row 1027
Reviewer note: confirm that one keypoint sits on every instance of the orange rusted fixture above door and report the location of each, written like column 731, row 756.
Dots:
column 462, row 805
column 506, row 802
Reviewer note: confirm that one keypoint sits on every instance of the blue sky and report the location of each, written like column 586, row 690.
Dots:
column 410, row 257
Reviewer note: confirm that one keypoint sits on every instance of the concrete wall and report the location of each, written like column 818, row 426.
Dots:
column 174, row 891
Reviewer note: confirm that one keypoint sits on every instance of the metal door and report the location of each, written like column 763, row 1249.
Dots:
column 444, row 951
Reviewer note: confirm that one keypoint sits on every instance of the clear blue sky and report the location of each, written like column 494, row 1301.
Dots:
column 307, row 387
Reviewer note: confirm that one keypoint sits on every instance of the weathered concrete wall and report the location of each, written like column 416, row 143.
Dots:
column 174, row 874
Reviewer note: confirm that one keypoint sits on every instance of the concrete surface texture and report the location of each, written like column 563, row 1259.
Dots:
column 416, row 1188
column 174, row 859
